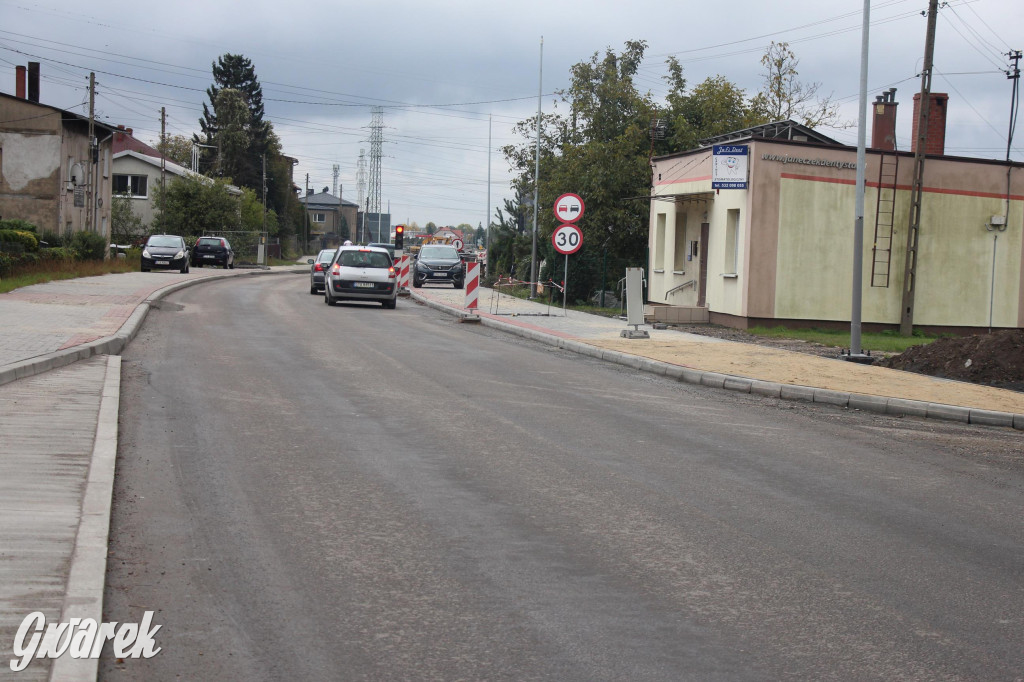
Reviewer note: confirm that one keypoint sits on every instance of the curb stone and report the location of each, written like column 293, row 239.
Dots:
column 858, row 401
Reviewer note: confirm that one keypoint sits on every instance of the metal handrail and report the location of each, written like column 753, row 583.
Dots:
column 691, row 283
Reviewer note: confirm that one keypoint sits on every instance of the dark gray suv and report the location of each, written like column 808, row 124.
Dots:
column 438, row 263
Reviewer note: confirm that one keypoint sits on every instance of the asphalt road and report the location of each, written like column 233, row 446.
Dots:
column 351, row 493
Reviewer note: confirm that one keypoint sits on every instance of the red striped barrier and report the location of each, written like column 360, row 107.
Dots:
column 472, row 285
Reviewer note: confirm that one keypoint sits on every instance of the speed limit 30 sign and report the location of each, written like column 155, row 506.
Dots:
column 567, row 239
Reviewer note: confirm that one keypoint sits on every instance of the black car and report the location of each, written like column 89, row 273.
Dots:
column 438, row 263
column 318, row 266
column 213, row 251
column 165, row 251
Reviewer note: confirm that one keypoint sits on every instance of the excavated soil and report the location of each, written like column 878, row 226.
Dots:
column 995, row 359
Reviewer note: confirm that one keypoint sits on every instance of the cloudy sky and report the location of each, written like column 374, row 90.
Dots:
column 452, row 74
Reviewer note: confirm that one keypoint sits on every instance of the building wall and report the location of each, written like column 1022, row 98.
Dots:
column 37, row 152
column 794, row 243
column 144, row 207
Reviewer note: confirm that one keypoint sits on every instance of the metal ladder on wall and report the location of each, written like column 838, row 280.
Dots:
column 885, row 212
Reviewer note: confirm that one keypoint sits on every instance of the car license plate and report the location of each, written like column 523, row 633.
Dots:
column 440, row 274
column 364, row 285
column 209, row 255
column 163, row 262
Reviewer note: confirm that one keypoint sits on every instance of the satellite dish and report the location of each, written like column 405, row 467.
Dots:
column 76, row 175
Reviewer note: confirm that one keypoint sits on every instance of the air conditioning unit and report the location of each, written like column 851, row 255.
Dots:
column 997, row 221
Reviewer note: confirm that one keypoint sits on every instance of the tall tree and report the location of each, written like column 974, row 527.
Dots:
column 783, row 97
column 236, row 72
column 177, row 148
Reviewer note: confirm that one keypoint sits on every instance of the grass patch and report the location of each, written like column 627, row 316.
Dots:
column 49, row 271
column 887, row 341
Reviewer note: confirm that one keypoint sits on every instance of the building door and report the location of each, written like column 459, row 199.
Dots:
column 702, row 281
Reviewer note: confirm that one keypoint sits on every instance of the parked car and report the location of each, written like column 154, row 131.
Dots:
column 318, row 266
column 167, row 251
column 438, row 263
column 213, row 251
column 361, row 273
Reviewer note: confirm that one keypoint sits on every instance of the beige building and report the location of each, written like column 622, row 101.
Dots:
column 780, row 251
column 49, row 176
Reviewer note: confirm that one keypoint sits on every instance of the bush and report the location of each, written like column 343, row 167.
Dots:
column 7, row 261
column 53, row 239
column 17, row 224
column 59, row 253
column 89, row 245
column 27, row 240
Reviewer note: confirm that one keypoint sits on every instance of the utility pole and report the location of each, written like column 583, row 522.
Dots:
column 855, row 354
column 487, row 230
column 305, row 238
column 913, row 233
column 163, row 154
column 90, row 202
column 536, row 178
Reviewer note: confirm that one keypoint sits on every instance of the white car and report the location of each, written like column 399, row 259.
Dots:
column 361, row 273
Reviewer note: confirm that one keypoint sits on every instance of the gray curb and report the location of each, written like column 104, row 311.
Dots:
column 116, row 343
column 868, row 403
column 83, row 597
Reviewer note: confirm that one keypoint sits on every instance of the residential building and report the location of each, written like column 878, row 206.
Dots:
column 51, row 173
column 780, row 250
column 330, row 218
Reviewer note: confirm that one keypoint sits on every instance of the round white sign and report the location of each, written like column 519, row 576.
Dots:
column 458, row 244
column 567, row 239
column 569, row 208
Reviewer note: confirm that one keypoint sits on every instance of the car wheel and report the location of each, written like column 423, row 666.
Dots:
column 458, row 285
column 417, row 282
column 184, row 270
column 390, row 305
column 145, row 269
column 232, row 265
column 312, row 291
column 328, row 300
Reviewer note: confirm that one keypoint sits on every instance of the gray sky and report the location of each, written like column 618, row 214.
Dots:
column 441, row 68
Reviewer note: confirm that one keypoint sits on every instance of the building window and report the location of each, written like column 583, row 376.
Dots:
column 659, row 244
column 319, row 217
column 681, row 248
column 732, row 241
column 136, row 186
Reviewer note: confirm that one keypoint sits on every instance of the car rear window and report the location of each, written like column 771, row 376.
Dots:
column 327, row 256
column 169, row 242
column 209, row 241
column 365, row 259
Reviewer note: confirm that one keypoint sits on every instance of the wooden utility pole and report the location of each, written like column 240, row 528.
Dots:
column 913, row 233
column 163, row 154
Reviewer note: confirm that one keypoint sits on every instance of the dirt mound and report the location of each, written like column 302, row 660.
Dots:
column 995, row 359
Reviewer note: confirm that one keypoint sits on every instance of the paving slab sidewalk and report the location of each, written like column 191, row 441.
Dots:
column 741, row 366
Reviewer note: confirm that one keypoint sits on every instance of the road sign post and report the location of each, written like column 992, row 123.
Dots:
column 567, row 239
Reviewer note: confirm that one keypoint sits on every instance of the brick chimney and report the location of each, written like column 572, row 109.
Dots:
column 33, row 82
column 20, row 77
column 883, row 121
column 935, row 139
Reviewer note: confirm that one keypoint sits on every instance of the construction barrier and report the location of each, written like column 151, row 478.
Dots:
column 472, row 285
column 403, row 272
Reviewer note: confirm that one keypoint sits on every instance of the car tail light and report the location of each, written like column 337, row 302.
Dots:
column 318, row 267
column 391, row 273
column 336, row 269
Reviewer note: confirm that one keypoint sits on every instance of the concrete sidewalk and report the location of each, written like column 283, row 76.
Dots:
column 741, row 366
column 58, row 442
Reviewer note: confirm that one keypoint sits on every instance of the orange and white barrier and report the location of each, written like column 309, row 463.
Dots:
column 472, row 285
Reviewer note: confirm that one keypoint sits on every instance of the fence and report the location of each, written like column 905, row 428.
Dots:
column 246, row 246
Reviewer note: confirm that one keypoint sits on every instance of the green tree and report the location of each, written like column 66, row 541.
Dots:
column 177, row 148
column 191, row 205
column 236, row 72
column 233, row 135
column 714, row 107
column 125, row 226
column 783, row 97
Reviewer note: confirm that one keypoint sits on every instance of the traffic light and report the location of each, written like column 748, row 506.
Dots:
column 399, row 236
